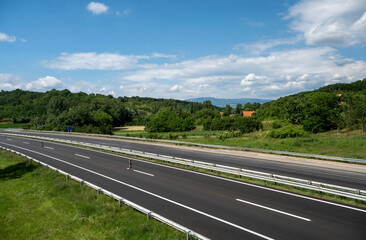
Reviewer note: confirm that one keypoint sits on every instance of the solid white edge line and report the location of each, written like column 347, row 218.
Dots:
column 274, row 210
column 79, row 155
column 25, row 142
column 221, row 178
column 150, row 193
column 149, row 174
column 49, row 147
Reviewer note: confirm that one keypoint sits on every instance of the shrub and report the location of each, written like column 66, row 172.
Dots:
column 173, row 136
column 287, row 132
column 276, row 125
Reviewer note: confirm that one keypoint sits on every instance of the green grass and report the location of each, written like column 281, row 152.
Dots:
column 345, row 144
column 11, row 125
column 37, row 203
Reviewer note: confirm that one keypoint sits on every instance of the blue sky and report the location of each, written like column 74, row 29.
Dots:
column 182, row 49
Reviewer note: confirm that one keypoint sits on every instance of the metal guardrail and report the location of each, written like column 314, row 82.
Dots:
column 294, row 154
column 296, row 182
column 189, row 233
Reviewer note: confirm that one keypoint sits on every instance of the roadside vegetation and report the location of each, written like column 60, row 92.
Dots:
column 37, row 203
column 328, row 121
column 345, row 143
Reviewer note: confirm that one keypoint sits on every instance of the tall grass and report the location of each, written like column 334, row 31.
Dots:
column 37, row 203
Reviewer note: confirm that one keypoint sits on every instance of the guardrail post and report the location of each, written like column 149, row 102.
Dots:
column 68, row 177
column 99, row 191
column 188, row 235
column 120, row 202
column 148, row 216
column 82, row 183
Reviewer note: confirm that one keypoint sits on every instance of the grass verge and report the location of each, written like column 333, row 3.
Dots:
column 37, row 203
column 346, row 143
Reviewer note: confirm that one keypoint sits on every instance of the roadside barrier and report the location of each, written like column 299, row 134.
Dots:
column 189, row 233
column 294, row 154
column 295, row 182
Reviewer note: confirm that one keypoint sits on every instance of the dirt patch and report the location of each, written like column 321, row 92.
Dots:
column 132, row 128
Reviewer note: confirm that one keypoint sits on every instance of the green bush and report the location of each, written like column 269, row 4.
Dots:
column 287, row 132
column 173, row 136
column 231, row 134
column 276, row 125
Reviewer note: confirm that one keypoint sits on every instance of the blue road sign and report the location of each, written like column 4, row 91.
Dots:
column 69, row 128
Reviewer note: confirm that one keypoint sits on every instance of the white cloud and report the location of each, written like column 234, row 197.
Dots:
column 262, row 46
column 250, row 79
column 161, row 55
column 9, row 82
column 6, row 38
column 270, row 76
column 176, row 88
column 97, row 8
column 45, row 83
column 93, row 61
column 334, row 22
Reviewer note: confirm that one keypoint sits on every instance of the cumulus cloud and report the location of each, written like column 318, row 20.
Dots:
column 334, row 22
column 250, row 79
column 274, row 75
column 9, row 82
column 93, row 61
column 45, row 83
column 175, row 88
column 97, row 8
column 6, row 38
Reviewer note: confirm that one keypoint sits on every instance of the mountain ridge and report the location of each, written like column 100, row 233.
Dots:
column 222, row 102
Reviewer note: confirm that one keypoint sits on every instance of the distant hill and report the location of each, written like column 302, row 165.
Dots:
column 222, row 102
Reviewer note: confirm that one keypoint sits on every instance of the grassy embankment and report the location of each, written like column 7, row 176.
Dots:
column 37, row 203
column 344, row 144
column 10, row 125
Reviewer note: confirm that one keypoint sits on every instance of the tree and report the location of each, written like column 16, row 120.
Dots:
column 238, row 108
column 170, row 120
column 228, row 110
column 207, row 104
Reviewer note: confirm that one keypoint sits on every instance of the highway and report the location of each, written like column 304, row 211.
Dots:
column 212, row 206
column 345, row 176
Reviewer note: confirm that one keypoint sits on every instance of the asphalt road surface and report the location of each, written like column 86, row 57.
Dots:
column 346, row 177
column 214, row 207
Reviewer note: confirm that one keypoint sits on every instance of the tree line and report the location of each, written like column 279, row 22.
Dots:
column 331, row 107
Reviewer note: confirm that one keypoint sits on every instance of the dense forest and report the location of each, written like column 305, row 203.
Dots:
column 331, row 107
